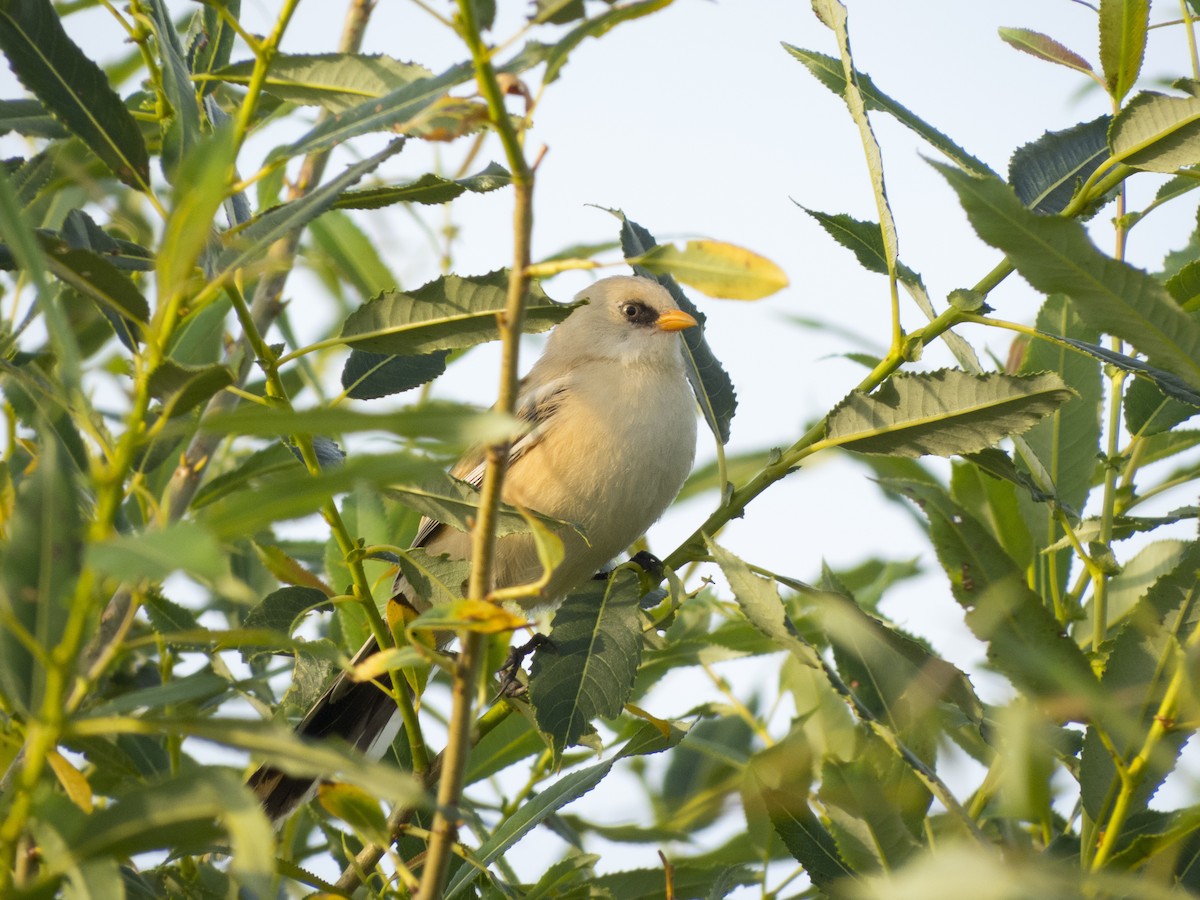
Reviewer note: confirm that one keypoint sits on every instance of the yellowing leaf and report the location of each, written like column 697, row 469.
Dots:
column 74, row 782
column 386, row 660
column 469, row 615
column 716, row 269
column 356, row 808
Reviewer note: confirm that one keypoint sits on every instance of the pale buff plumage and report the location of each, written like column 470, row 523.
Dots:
column 613, row 437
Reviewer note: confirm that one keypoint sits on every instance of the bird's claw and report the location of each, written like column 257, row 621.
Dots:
column 510, row 686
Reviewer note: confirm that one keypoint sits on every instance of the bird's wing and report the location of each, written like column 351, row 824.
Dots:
column 536, row 406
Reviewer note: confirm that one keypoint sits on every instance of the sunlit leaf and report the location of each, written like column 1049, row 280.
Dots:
column 1043, row 47
column 1123, row 25
column 943, row 413
column 716, row 269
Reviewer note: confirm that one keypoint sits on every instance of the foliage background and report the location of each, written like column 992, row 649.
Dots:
column 689, row 147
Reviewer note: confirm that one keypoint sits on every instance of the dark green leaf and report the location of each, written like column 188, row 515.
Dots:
column 943, row 413
column 597, row 26
column 39, row 564
column 778, row 781
column 182, row 128
column 352, row 254
column 72, row 87
column 710, row 383
column 401, row 109
column 1166, row 382
column 369, row 376
column 95, row 277
column 1056, row 256
column 428, row 189
column 864, row 816
column 213, row 42
column 183, row 388
column 449, row 313
column 511, row 741
column 863, row 239
column 1024, row 641
column 828, row 70
column 587, row 668
column 30, row 118
column 1147, row 654
column 1047, row 172
column 1066, row 442
column 689, row 881
column 252, row 241
column 281, row 610
column 1148, row 411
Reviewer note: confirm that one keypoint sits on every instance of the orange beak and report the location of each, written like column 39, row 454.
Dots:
column 674, row 320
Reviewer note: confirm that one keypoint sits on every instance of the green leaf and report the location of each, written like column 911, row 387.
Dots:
column 551, row 799
column 449, row 313
column 994, row 503
column 39, row 564
column 276, row 458
column 369, row 376
column 778, row 781
column 352, row 253
column 289, row 493
column 1149, row 651
column 865, row 817
column 942, row 413
column 1165, row 382
column 205, row 170
column 1067, row 442
column 863, row 239
column 183, row 388
column 95, row 277
column 72, row 87
column 716, row 269
column 1056, row 256
column 760, row 602
column 587, row 669
column 401, row 109
column 357, row 808
column 830, row 73
column 30, row 118
column 252, row 241
column 1024, row 641
column 1157, row 133
column 336, row 82
column 282, row 609
column 182, row 129
column 214, row 41
column 182, row 546
column 1148, row 411
column 1123, row 25
column 1043, row 47
column 511, row 741
column 896, row 676
column 689, row 881
column 710, row 382
column 179, row 815
column 460, row 426
column 1046, row 172
column 597, row 26
column 435, row 579
column 429, row 189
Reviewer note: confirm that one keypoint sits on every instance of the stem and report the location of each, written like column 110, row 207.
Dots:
column 444, row 830
column 263, row 56
column 1191, row 38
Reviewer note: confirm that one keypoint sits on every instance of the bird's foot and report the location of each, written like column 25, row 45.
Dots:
column 510, row 686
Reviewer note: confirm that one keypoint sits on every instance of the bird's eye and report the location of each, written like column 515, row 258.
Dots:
column 631, row 310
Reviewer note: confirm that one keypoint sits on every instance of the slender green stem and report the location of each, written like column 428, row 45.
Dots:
column 444, row 830
column 263, row 56
column 1190, row 31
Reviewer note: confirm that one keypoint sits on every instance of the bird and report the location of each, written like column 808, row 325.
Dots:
column 610, row 439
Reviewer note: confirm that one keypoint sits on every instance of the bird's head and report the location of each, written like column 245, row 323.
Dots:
column 627, row 319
